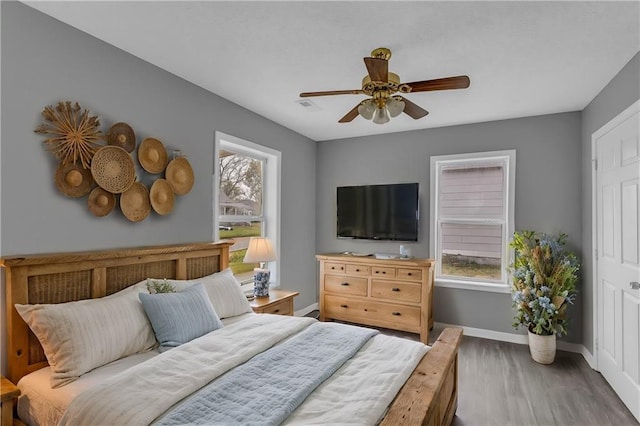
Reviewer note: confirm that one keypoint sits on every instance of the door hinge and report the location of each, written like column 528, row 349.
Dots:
column 595, row 164
column 596, row 344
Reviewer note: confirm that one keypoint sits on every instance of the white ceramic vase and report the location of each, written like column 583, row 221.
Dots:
column 542, row 348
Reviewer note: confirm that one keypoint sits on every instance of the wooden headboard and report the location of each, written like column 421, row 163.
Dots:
column 66, row 277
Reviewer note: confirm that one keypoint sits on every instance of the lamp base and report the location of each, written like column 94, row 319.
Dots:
column 261, row 282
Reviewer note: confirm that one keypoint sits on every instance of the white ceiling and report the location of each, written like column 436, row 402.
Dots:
column 523, row 58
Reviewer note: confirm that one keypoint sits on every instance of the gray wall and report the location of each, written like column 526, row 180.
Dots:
column 548, row 194
column 45, row 61
column 622, row 91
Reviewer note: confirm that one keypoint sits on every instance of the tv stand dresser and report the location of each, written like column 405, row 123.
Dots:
column 388, row 293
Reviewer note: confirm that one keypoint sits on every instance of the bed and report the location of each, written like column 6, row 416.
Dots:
column 413, row 385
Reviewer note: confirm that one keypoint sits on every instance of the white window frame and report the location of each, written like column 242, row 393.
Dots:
column 270, row 188
column 508, row 159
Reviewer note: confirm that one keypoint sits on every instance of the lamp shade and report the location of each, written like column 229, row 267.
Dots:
column 259, row 250
column 395, row 106
column 366, row 109
column 381, row 116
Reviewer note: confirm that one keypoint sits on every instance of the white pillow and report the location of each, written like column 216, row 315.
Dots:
column 80, row 336
column 224, row 291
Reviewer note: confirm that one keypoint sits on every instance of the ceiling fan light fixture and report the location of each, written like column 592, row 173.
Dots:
column 395, row 107
column 366, row 109
column 381, row 85
column 381, row 116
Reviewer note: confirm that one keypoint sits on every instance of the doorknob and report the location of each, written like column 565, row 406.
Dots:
column 634, row 285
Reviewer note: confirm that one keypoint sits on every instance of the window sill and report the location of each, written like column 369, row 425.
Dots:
column 472, row 285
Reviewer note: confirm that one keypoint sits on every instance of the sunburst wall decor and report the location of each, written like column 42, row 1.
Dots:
column 74, row 135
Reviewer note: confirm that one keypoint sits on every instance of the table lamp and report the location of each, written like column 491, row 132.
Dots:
column 260, row 251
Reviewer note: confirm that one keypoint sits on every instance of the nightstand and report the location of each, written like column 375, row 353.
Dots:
column 8, row 394
column 278, row 302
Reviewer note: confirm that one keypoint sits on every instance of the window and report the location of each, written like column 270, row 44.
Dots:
column 246, row 199
column 472, row 208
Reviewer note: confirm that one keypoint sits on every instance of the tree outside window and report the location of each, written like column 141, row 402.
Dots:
column 240, row 206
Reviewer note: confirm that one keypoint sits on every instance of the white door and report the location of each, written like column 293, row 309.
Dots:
column 617, row 148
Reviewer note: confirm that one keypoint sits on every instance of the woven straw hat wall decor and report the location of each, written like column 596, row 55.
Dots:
column 73, row 181
column 180, row 175
column 162, row 197
column 152, row 155
column 107, row 172
column 101, row 202
column 122, row 135
column 135, row 203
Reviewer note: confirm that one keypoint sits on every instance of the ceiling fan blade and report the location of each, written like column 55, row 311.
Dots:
column 459, row 82
column 350, row 115
column 413, row 110
column 378, row 69
column 331, row 92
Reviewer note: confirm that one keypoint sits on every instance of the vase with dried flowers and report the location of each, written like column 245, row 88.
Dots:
column 544, row 275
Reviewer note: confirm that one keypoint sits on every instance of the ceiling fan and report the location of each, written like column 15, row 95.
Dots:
column 381, row 85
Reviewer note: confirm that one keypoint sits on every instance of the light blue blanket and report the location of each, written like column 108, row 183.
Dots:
column 271, row 385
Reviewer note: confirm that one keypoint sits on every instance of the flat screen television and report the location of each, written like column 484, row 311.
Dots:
column 378, row 212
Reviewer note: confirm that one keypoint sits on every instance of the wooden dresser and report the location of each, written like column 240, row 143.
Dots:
column 388, row 293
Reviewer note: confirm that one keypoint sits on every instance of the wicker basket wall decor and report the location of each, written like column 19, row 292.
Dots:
column 113, row 169
column 106, row 172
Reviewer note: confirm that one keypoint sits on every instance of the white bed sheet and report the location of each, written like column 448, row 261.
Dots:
column 39, row 404
column 387, row 361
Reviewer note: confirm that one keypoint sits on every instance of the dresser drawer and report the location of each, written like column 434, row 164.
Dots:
column 334, row 268
column 280, row 308
column 379, row 271
column 396, row 290
column 409, row 274
column 355, row 286
column 362, row 270
column 377, row 313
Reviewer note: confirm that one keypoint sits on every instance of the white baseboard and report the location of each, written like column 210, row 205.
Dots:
column 579, row 349
column 521, row 339
column 304, row 311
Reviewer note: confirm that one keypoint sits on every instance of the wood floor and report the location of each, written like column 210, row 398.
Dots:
column 500, row 385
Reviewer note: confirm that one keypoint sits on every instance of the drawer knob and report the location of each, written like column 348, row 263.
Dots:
column 395, row 289
column 377, row 272
column 344, row 306
column 395, row 313
column 357, row 270
column 409, row 274
column 345, row 284
column 384, row 272
column 276, row 311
